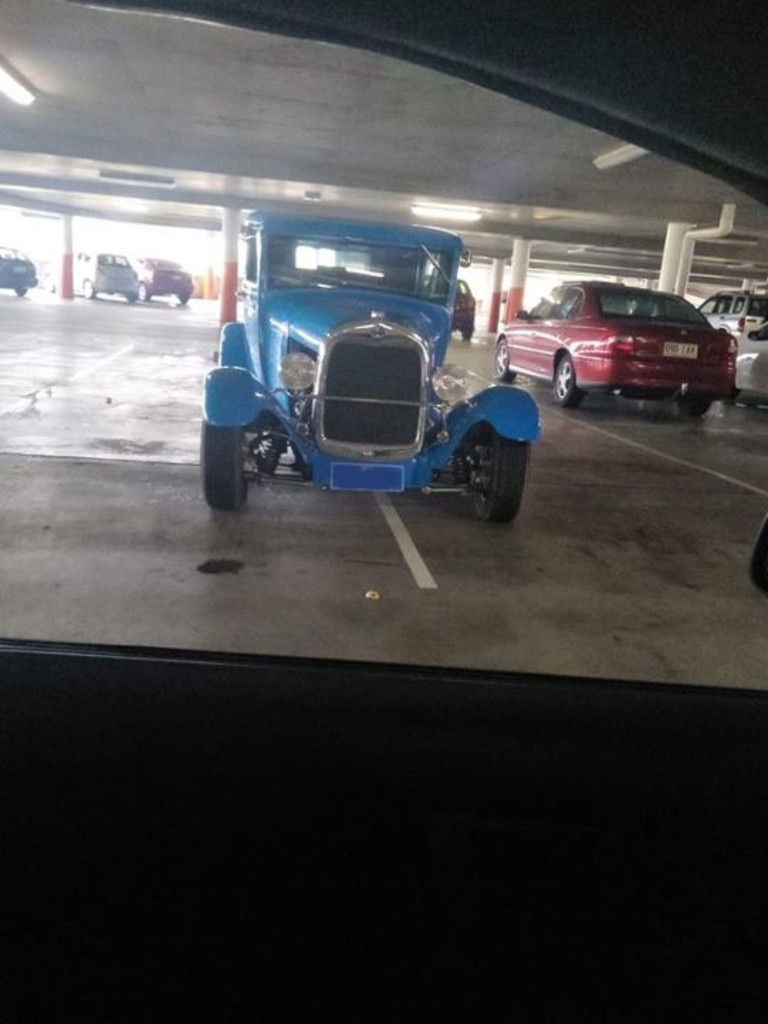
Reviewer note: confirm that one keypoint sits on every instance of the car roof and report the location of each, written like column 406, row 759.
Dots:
column 365, row 231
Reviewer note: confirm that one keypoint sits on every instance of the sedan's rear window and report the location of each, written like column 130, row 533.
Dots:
column 107, row 260
column 644, row 305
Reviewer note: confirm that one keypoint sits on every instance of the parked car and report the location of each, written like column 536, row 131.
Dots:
column 17, row 271
column 738, row 312
column 464, row 311
column 592, row 336
column 163, row 277
column 337, row 376
column 752, row 364
column 105, row 273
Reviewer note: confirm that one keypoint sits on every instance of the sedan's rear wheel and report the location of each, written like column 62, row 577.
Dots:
column 498, row 474
column 222, row 459
column 21, row 292
column 564, row 388
column 693, row 408
column 502, row 371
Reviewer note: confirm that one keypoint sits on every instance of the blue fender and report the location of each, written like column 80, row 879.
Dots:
column 233, row 346
column 510, row 411
column 233, row 397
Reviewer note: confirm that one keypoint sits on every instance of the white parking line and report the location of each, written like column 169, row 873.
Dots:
column 421, row 574
column 662, row 455
column 24, row 403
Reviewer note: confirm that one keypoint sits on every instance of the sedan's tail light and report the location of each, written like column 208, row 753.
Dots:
column 623, row 346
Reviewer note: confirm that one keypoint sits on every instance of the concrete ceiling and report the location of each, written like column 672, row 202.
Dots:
column 233, row 117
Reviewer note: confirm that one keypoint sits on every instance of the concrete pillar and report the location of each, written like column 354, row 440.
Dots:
column 66, row 283
column 670, row 261
column 497, row 280
column 231, row 227
column 521, row 254
column 684, row 269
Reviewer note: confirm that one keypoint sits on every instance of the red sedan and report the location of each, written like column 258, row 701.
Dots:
column 592, row 336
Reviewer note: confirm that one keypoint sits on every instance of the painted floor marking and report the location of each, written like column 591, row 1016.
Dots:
column 664, row 455
column 24, row 403
column 421, row 574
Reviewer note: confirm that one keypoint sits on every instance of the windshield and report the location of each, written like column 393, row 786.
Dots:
column 332, row 263
column 107, row 260
column 645, row 305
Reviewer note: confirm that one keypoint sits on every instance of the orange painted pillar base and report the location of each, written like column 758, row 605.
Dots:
column 66, row 283
column 514, row 303
column 229, row 293
column 209, row 284
column 493, row 312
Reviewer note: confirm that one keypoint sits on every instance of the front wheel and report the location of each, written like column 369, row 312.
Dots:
column 564, row 388
column 693, row 408
column 503, row 373
column 497, row 479
column 21, row 292
column 221, row 459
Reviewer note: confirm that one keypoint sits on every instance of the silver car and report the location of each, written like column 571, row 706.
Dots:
column 105, row 274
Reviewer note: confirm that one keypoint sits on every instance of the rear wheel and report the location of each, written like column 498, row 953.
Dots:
column 564, row 388
column 497, row 478
column 693, row 408
column 502, row 371
column 221, row 459
column 183, row 298
column 21, row 292
column 467, row 334
column 131, row 297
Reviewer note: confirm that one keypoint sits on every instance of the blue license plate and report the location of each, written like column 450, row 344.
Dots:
column 354, row 476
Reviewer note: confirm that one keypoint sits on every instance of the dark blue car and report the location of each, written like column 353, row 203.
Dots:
column 337, row 376
column 16, row 271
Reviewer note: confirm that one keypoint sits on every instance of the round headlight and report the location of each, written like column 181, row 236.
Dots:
column 297, row 372
column 451, row 383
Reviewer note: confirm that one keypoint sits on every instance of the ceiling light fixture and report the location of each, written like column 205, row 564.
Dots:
column 465, row 214
column 14, row 89
column 138, row 178
column 623, row 154
column 312, row 195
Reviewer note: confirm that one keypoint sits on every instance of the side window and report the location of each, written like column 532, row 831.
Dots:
column 738, row 304
column 723, row 305
column 571, row 304
column 251, row 260
column 709, row 307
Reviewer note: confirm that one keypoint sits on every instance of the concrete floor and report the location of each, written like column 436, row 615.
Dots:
column 629, row 559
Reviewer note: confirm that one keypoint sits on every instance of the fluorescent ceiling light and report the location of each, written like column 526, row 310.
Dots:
column 138, row 178
column 623, row 154
column 11, row 87
column 465, row 214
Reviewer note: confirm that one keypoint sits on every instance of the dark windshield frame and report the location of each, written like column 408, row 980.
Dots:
column 407, row 270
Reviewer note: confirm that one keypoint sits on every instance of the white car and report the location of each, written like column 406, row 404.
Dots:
column 752, row 363
column 738, row 312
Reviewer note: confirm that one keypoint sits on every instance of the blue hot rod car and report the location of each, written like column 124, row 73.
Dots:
column 337, row 375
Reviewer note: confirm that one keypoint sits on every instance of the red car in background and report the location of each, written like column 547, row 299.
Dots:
column 163, row 277
column 591, row 336
column 464, row 311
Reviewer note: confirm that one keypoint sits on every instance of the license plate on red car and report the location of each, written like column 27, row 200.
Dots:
column 679, row 350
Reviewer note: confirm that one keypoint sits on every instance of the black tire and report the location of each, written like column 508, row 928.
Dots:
column 221, row 462
column 145, row 295
column 21, row 292
column 183, row 299
column 131, row 297
column 88, row 290
column 498, row 477
column 502, row 372
column 693, row 408
column 467, row 335
column 564, row 389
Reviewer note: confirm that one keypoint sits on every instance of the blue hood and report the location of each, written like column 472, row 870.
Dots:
column 309, row 314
